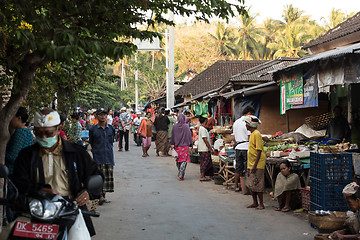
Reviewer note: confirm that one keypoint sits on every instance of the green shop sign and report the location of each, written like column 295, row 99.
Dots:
column 291, row 90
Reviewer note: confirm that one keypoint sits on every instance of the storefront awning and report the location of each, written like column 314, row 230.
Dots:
column 261, row 88
column 158, row 99
column 196, row 97
column 338, row 52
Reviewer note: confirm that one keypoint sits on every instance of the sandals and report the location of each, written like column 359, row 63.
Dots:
column 204, row 179
column 285, row 209
column 252, row 206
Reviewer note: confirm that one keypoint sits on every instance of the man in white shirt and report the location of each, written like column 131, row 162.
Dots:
column 205, row 150
column 137, row 119
column 242, row 144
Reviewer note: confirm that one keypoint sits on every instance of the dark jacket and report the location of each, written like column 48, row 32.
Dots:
column 161, row 123
column 79, row 167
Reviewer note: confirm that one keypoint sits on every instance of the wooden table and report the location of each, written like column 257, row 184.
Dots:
column 227, row 171
column 303, row 166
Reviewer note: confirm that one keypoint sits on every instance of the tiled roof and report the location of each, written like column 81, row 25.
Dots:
column 347, row 27
column 215, row 76
column 259, row 72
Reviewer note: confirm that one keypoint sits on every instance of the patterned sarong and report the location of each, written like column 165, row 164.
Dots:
column 161, row 141
column 183, row 154
column 256, row 181
column 108, row 171
column 206, row 165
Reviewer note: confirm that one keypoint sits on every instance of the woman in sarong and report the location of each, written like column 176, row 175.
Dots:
column 352, row 224
column 181, row 140
column 287, row 187
column 161, row 124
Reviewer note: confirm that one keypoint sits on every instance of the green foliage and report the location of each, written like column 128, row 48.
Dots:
column 104, row 93
column 68, row 34
column 52, row 82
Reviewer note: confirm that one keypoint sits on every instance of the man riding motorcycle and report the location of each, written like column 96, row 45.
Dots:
column 54, row 165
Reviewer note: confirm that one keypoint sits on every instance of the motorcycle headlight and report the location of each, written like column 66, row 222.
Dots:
column 44, row 210
column 36, row 208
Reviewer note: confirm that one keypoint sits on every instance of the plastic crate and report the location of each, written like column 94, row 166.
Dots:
column 327, row 196
column 305, row 198
column 331, row 167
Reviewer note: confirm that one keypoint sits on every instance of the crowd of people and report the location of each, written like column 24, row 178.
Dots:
column 173, row 137
column 59, row 162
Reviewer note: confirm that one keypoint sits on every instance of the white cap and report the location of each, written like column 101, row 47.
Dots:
column 123, row 109
column 138, row 112
column 46, row 120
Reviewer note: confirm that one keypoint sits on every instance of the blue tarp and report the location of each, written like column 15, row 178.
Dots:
column 242, row 103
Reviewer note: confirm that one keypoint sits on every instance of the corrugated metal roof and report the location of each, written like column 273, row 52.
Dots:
column 215, row 76
column 347, row 27
column 265, row 86
column 338, row 52
column 259, row 72
column 158, row 99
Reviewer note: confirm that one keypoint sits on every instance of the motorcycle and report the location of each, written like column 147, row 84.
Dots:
column 43, row 215
column 116, row 133
column 137, row 136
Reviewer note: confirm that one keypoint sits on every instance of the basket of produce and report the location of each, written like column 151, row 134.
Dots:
column 228, row 137
column 221, row 130
column 281, row 147
column 334, row 221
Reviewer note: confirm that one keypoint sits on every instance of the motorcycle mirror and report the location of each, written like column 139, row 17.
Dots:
column 95, row 183
column 4, row 171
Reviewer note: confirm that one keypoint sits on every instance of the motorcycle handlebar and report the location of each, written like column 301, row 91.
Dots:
column 90, row 213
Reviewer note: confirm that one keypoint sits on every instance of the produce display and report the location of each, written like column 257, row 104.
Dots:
column 281, row 147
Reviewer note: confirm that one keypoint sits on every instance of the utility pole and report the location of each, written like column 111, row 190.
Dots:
column 167, row 64
column 171, row 75
column 136, row 86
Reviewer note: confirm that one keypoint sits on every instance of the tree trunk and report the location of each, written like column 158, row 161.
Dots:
column 21, row 87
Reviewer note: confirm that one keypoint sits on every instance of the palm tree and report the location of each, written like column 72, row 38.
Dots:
column 269, row 32
column 335, row 18
column 295, row 30
column 290, row 40
column 248, row 33
column 225, row 39
column 292, row 14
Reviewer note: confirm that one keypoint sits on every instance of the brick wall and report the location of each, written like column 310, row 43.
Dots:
column 272, row 121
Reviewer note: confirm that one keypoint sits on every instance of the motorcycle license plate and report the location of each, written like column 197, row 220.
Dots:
column 36, row 230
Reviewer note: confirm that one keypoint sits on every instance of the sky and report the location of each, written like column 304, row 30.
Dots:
column 315, row 8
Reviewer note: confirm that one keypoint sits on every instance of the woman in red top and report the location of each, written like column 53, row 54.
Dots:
column 145, row 131
column 210, row 122
column 62, row 124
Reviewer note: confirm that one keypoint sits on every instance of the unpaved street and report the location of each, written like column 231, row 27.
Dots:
column 150, row 203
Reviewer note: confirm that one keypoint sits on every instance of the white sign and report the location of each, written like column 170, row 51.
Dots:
column 147, row 45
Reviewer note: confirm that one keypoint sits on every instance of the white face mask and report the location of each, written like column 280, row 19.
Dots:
column 47, row 142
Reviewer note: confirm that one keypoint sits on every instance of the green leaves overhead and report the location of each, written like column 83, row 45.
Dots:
column 61, row 29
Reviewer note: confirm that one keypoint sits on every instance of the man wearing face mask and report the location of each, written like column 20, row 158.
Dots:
column 53, row 164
